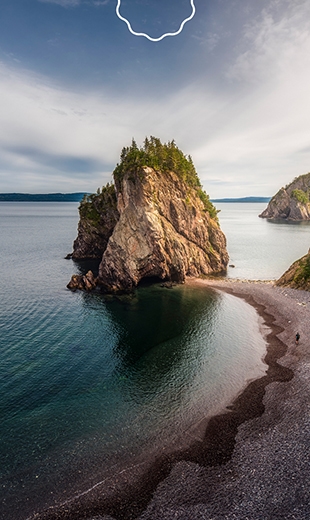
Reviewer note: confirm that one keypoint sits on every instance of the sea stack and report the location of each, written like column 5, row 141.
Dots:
column 291, row 202
column 155, row 222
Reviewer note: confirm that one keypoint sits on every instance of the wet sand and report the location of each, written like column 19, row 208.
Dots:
column 253, row 461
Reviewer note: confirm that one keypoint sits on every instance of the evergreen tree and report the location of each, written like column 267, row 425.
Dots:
column 163, row 157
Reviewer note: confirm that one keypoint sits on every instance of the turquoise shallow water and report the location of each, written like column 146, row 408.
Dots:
column 90, row 383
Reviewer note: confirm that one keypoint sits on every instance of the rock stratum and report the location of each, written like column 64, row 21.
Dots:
column 155, row 222
column 298, row 274
column 291, row 202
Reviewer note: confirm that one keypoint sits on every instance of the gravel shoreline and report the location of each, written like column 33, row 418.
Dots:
column 268, row 475
column 254, row 460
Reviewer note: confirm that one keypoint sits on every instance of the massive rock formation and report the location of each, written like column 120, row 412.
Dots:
column 153, row 224
column 298, row 274
column 291, row 202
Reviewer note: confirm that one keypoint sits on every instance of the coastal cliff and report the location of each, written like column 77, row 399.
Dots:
column 291, row 202
column 155, row 222
column 298, row 274
column 98, row 217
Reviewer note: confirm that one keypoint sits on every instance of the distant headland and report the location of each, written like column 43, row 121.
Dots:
column 290, row 202
column 77, row 197
column 243, row 199
column 42, row 197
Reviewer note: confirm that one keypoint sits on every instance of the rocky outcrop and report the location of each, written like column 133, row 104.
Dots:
column 98, row 217
column 298, row 274
column 163, row 232
column 85, row 282
column 291, row 202
column 157, row 225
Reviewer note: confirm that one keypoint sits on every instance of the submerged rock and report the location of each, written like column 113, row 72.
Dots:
column 291, row 202
column 158, row 224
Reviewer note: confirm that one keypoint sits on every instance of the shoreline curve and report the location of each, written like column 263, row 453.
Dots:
column 245, row 418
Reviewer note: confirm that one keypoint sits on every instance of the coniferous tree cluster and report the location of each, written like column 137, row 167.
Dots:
column 164, row 157
column 93, row 205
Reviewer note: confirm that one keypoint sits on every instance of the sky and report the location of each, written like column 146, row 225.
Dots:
column 76, row 86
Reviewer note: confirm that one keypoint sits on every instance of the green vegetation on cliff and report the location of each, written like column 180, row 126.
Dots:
column 297, row 275
column 94, row 205
column 301, row 196
column 302, row 274
column 154, row 154
column 304, row 179
column 290, row 202
column 162, row 157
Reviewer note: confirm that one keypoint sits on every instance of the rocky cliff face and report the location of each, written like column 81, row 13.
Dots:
column 159, row 228
column 298, row 274
column 163, row 232
column 98, row 217
column 291, row 202
column 155, row 223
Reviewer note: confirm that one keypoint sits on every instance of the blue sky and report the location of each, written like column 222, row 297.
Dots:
column 232, row 89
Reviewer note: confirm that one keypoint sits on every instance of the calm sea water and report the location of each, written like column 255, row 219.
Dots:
column 258, row 248
column 90, row 384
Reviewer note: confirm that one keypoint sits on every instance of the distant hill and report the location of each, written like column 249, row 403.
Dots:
column 244, row 199
column 291, row 202
column 41, row 197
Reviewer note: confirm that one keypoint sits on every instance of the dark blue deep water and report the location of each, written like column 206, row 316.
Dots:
column 90, row 384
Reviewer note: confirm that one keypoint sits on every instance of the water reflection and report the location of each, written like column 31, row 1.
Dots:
column 283, row 222
column 159, row 336
column 152, row 316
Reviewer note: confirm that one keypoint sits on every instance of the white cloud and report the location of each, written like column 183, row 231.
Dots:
column 249, row 139
column 74, row 3
column 98, row 3
column 209, row 41
column 272, row 41
column 63, row 3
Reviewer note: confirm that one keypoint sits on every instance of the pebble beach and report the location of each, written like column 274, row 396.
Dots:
column 268, row 474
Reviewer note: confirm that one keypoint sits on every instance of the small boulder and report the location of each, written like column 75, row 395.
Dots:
column 89, row 281
column 86, row 282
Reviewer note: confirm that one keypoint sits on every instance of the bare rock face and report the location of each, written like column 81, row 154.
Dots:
column 163, row 232
column 155, row 223
column 291, row 202
column 298, row 274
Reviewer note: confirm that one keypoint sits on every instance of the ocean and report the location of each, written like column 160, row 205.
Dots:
column 90, row 384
